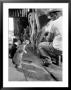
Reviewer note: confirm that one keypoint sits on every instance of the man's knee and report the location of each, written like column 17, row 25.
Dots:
column 42, row 45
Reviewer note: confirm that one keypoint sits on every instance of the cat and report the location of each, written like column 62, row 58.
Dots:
column 17, row 59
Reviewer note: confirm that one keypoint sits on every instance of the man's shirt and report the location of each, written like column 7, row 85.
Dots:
column 56, row 28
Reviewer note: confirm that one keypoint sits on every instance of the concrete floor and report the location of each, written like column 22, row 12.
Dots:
column 34, row 71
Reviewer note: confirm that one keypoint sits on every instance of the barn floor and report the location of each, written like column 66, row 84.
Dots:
column 34, row 71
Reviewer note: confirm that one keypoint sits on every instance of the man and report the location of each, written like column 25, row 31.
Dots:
column 53, row 43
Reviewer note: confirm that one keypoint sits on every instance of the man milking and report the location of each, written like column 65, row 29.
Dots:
column 53, row 44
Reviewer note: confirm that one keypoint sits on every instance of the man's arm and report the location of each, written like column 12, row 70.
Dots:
column 50, row 37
